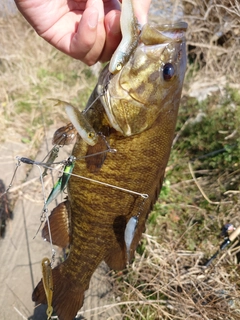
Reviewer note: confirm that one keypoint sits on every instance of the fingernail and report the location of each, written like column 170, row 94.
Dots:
column 113, row 25
column 93, row 20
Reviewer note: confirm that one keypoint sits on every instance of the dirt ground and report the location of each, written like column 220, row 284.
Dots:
column 21, row 255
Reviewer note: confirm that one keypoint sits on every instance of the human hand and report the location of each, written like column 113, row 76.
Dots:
column 85, row 30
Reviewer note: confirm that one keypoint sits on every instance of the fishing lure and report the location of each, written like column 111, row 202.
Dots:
column 62, row 181
column 129, row 234
column 53, row 154
column 80, row 122
column 68, row 170
column 130, row 31
column 48, row 284
column 64, row 135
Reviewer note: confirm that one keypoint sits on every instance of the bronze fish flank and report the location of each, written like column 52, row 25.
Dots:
column 136, row 114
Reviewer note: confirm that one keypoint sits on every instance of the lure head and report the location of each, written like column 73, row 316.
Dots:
column 81, row 124
column 150, row 82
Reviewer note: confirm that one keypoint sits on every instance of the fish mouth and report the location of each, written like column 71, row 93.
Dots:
column 181, row 25
column 173, row 31
column 159, row 34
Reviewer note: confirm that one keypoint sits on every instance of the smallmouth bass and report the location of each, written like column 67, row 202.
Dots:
column 135, row 110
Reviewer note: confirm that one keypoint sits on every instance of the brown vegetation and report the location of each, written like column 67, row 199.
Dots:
column 214, row 37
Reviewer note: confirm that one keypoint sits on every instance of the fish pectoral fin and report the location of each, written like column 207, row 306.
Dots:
column 59, row 225
column 67, row 296
column 96, row 156
column 119, row 256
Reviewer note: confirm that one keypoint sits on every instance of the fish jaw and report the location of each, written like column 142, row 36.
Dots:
column 134, row 96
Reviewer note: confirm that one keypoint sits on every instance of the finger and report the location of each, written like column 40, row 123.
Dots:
column 88, row 42
column 141, row 8
column 85, row 36
column 111, row 5
column 113, row 34
column 75, row 34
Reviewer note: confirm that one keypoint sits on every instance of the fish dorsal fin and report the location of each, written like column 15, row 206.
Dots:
column 59, row 225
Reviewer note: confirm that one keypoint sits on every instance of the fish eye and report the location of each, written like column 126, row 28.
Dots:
column 118, row 66
column 91, row 135
column 168, row 71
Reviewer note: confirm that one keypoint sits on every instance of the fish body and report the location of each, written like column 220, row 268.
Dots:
column 137, row 114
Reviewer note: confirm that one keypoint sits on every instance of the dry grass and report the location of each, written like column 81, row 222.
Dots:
column 31, row 72
column 213, row 37
column 166, row 283
column 166, row 280
column 212, row 40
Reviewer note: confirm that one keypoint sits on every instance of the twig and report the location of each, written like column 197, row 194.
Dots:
column 200, row 188
column 20, row 313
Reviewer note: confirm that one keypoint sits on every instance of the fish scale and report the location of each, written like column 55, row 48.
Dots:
column 136, row 111
column 95, row 203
